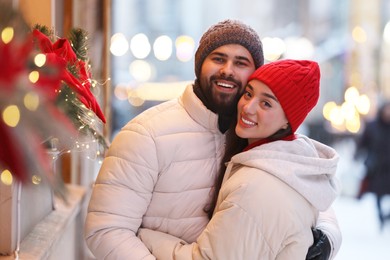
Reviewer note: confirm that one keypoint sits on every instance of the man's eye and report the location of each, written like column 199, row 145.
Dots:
column 241, row 64
column 217, row 59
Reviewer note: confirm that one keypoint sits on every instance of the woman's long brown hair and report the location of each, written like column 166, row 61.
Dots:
column 234, row 145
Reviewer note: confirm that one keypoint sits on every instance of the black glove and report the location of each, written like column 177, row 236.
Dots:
column 320, row 250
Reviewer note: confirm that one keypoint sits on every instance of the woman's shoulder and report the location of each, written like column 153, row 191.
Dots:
column 261, row 194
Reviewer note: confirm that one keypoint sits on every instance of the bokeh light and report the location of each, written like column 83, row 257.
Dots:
column 33, row 76
column 31, row 101
column 40, row 59
column 6, row 177
column 36, row 179
column 327, row 109
column 347, row 117
column 119, row 44
column 140, row 70
column 7, row 34
column 162, row 48
column 364, row 104
column 140, row 46
column 359, row 34
column 273, row 48
column 11, row 115
column 185, row 47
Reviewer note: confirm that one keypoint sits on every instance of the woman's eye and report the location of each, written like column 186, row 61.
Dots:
column 266, row 104
column 247, row 94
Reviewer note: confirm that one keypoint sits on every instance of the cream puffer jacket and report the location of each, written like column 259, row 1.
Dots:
column 269, row 200
column 157, row 174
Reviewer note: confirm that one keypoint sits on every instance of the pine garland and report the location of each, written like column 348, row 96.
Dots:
column 67, row 99
column 45, row 30
column 78, row 39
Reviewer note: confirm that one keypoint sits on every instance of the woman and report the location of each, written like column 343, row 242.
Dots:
column 273, row 190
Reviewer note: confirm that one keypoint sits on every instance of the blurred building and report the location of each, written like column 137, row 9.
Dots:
column 347, row 38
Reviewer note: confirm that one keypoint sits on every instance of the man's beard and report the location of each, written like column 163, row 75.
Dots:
column 226, row 104
column 221, row 103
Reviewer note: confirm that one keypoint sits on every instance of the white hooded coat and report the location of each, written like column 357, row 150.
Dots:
column 269, row 200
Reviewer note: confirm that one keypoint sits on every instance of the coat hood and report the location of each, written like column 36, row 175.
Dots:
column 306, row 165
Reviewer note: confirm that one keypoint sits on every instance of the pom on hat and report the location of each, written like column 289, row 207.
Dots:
column 229, row 32
column 295, row 83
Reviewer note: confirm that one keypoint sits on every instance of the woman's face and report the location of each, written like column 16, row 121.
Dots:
column 259, row 113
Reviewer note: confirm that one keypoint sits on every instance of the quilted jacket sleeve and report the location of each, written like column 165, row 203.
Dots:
column 327, row 222
column 121, row 196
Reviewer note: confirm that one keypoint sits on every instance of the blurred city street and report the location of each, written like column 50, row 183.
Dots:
column 362, row 237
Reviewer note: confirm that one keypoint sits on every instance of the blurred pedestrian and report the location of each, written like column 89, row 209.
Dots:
column 374, row 145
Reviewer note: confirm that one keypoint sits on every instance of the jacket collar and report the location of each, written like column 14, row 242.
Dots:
column 265, row 141
column 198, row 111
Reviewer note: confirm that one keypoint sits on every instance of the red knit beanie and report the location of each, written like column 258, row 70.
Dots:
column 295, row 83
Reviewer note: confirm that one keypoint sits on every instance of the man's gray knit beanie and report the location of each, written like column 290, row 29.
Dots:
column 229, row 32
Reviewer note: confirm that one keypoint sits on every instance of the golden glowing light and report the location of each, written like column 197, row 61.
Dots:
column 33, row 76
column 185, row 46
column 11, row 115
column 40, row 59
column 359, row 34
column 348, row 110
column 35, row 179
column 338, row 127
column 328, row 107
column 347, row 117
column 336, row 117
column 351, row 95
column 6, row 177
column 363, row 105
column 7, row 34
column 31, row 101
column 353, row 125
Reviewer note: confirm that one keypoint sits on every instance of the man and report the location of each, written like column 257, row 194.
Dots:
column 161, row 166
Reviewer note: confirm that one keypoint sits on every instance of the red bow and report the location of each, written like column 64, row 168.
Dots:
column 61, row 52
